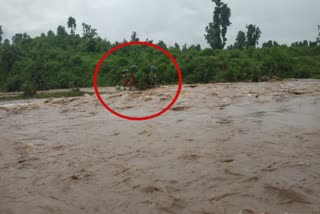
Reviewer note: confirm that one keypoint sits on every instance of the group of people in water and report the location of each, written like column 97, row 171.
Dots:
column 131, row 83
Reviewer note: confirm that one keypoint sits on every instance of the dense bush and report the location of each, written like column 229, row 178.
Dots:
column 68, row 61
column 28, row 89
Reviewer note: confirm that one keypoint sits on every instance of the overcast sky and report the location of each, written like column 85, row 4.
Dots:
column 181, row 21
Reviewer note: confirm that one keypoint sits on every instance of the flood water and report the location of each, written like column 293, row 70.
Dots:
column 223, row 148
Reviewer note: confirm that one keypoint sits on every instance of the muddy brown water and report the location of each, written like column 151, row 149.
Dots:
column 223, row 148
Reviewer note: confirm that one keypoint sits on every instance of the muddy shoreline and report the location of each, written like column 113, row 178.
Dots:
column 223, row 148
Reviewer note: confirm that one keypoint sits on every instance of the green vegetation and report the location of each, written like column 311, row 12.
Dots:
column 67, row 60
column 217, row 30
column 29, row 90
column 46, row 95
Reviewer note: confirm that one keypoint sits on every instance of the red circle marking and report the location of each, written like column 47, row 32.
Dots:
column 130, row 44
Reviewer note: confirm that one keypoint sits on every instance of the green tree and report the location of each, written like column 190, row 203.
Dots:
column 150, row 41
column 1, row 33
column 88, row 31
column 312, row 44
column 270, row 44
column 50, row 33
column 300, row 44
column 184, row 48
column 91, row 46
column 240, row 41
column 9, row 56
column 318, row 38
column 216, row 31
column 230, row 47
column 253, row 35
column 17, row 38
column 20, row 38
column 195, row 47
column 6, row 42
column 29, row 89
column 72, row 25
column 61, row 31
column 162, row 44
column 225, row 22
column 134, row 37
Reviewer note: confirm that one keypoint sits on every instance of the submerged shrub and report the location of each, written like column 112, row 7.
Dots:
column 29, row 89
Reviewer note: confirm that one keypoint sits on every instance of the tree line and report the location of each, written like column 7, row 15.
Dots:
column 65, row 59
